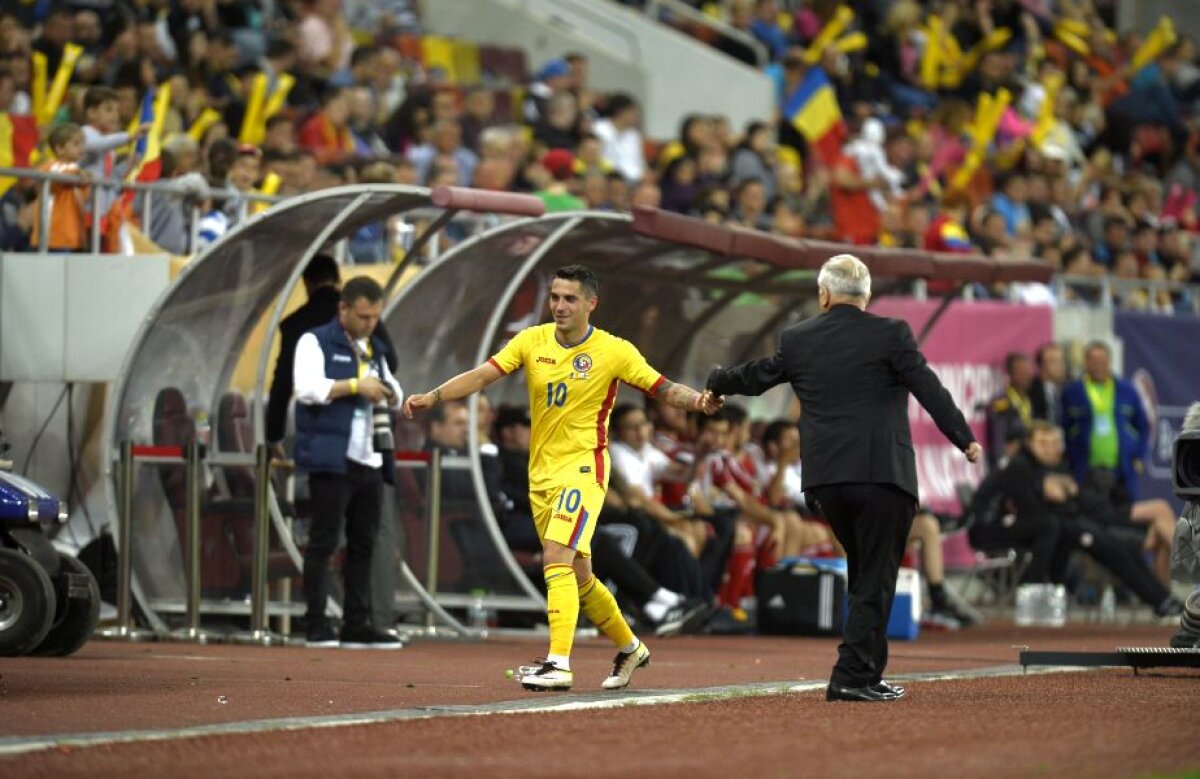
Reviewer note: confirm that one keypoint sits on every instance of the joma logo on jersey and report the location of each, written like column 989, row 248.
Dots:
column 547, row 361
column 565, row 517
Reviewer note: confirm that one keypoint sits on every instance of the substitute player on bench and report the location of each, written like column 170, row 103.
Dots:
column 572, row 370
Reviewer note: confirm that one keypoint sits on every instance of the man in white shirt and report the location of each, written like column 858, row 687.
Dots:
column 622, row 139
column 343, row 388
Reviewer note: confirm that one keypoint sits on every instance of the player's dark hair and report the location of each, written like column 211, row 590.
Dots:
column 584, row 275
column 361, row 287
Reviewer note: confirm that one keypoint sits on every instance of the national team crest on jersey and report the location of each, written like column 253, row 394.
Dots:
column 582, row 364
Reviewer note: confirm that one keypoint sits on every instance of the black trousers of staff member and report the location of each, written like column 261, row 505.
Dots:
column 351, row 501
column 871, row 521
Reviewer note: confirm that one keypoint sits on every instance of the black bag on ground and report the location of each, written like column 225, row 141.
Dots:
column 800, row 600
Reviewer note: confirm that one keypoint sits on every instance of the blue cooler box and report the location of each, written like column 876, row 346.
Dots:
column 904, row 623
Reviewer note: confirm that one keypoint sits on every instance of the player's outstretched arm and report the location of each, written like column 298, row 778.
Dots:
column 460, row 386
column 682, row 396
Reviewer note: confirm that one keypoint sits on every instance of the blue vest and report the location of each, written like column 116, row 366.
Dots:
column 323, row 431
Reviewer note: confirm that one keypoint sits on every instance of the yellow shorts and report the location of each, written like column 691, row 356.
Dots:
column 568, row 514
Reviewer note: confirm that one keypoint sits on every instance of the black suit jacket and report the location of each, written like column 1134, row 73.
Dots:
column 1042, row 404
column 853, row 372
column 321, row 307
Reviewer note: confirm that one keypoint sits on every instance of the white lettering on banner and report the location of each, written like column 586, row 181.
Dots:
column 971, row 385
column 940, row 468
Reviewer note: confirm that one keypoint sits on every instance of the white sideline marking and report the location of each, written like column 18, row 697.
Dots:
column 19, row 745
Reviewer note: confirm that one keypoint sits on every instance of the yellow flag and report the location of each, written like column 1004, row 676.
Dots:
column 1155, row 44
column 835, row 27
column 62, row 77
column 207, row 118
column 254, row 108
column 38, row 85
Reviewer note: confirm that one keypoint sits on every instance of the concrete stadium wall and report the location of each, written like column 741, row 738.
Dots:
column 668, row 72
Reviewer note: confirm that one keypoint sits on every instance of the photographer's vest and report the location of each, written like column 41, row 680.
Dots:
column 323, row 431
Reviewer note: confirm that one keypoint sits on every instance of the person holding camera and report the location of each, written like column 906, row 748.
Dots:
column 344, row 440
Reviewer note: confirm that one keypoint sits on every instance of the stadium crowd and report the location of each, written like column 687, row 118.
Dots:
column 993, row 126
column 1090, row 160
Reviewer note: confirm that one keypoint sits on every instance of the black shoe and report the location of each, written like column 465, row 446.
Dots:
column 687, row 618
column 321, row 636
column 836, row 692
column 368, row 637
column 888, row 687
column 1172, row 607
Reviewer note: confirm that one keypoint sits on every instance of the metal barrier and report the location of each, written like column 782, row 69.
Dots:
column 259, row 633
column 125, row 629
column 1105, row 287
column 192, row 632
column 474, row 222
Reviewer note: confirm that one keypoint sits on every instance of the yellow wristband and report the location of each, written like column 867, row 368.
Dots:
column 354, row 386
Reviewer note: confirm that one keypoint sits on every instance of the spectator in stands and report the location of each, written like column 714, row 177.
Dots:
column 750, row 205
column 325, row 44
column 102, row 139
column 855, row 218
column 479, row 108
column 559, row 127
column 619, row 134
column 752, row 159
column 766, row 29
column 556, row 193
column 327, row 132
column 554, row 77
column 171, row 211
column 741, row 17
column 1009, row 202
column 67, row 229
column 334, row 445
column 1009, row 413
column 1115, row 241
column 679, row 186
column 1046, row 390
column 445, row 141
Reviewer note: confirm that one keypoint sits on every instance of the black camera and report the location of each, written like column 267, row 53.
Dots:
column 1185, row 465
column 382, row 438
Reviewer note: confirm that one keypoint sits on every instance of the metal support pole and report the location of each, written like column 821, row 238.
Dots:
column 97, row 219
column 259, row 632
column 125, row 630
column 43, row 215
column 147, row 199
column 434, row 501
column 192, row 632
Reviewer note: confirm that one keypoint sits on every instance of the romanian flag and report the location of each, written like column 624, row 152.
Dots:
column 18, row 139
column 155, row 105
column 814, row 111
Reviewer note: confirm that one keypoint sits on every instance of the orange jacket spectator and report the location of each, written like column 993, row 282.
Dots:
column 67, row 226
column 327, row 132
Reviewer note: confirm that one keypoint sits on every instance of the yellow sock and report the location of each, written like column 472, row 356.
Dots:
column 599, row 605
column 562, row 607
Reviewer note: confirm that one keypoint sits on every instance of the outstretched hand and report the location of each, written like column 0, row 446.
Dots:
column 973, row 452
column 710, row 403
column 421, row 402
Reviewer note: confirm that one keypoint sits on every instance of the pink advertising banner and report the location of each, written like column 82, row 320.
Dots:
column 966, row 348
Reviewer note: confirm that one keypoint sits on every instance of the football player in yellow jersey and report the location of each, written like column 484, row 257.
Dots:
column 572, row 371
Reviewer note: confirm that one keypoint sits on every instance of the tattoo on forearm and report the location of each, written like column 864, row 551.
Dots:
column 679, row 396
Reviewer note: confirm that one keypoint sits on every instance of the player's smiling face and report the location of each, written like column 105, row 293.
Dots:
column 570, row 305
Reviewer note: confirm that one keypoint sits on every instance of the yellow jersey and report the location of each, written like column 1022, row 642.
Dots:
column 571, row 394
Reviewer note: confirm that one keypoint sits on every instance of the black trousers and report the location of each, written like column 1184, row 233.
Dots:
column 715, row 555
column 871, row 521
column 1120, row 552
column 1040, row 536
column 349, row 502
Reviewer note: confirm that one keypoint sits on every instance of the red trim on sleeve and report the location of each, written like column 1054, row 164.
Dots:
column 602, row 429
column 654, row 387
column 496, row 365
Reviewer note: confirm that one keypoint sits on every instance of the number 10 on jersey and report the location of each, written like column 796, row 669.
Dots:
column 556, row 394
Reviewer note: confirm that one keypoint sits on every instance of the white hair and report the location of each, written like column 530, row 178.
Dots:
column 846, row 276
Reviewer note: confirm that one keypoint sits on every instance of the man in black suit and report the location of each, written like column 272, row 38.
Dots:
column 322, row 284
column 853, row 372
column 1045, row 394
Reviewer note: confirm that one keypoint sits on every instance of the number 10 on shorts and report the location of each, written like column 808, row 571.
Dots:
column 571, row 498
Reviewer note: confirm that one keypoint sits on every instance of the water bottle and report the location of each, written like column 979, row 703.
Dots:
column 1028, row 598
column 1055, row 606
column 477, row 613
column 1108, row 605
